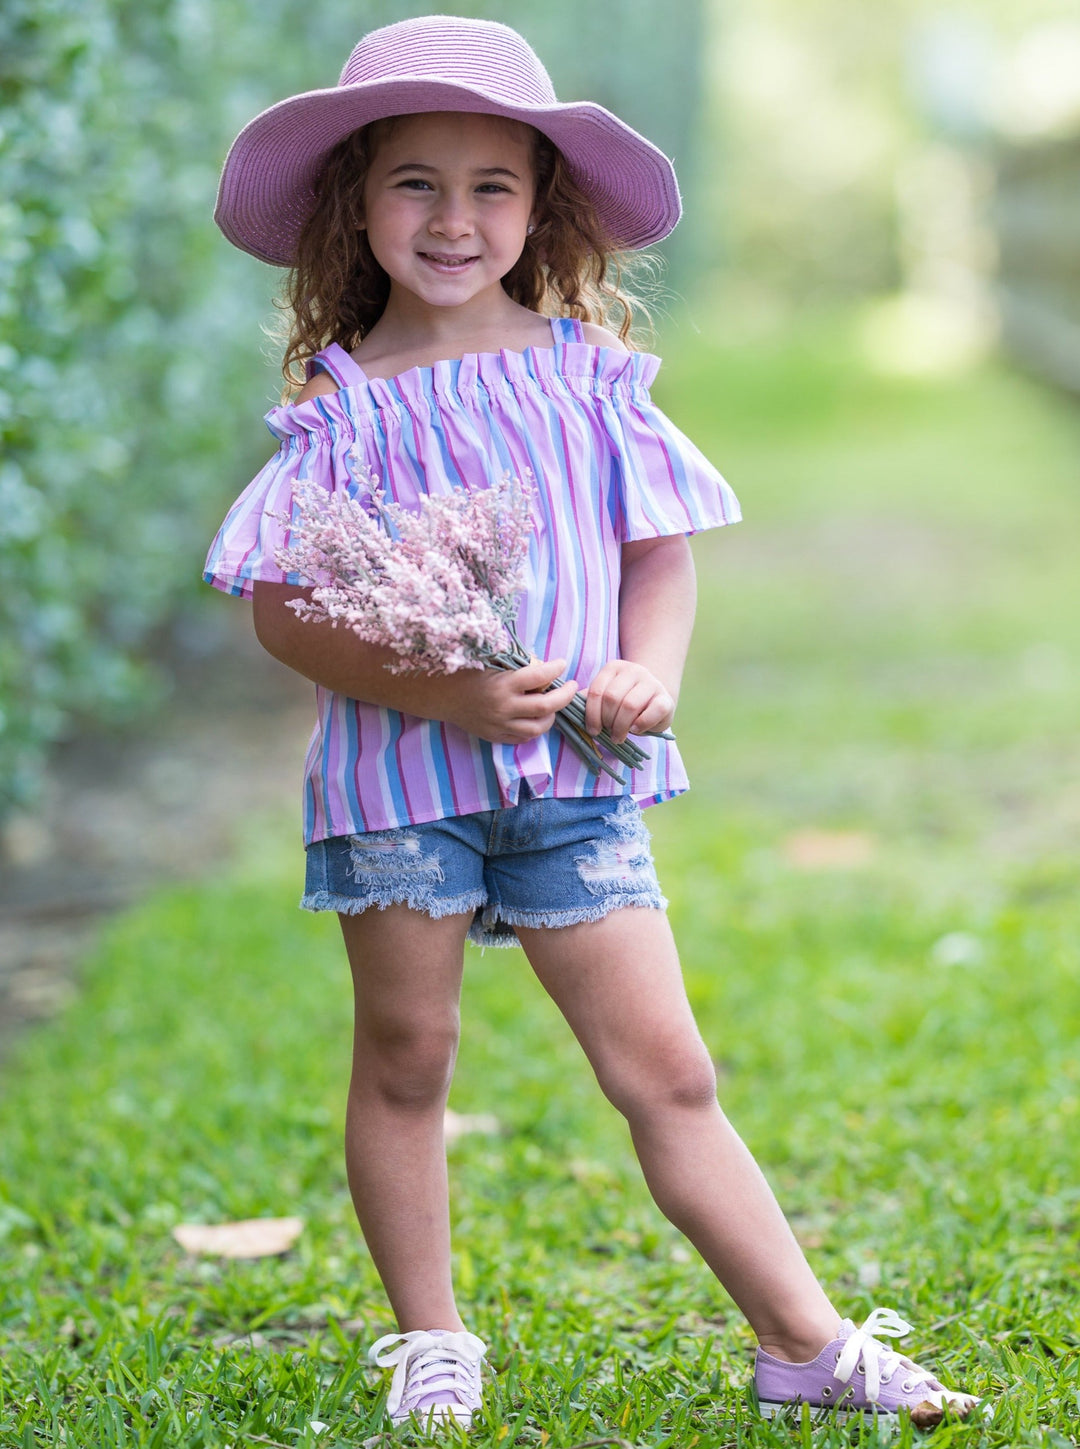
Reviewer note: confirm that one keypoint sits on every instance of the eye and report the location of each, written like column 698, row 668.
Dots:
column 415, row 183
column 492, row 186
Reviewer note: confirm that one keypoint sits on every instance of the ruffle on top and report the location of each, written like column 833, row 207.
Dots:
column 570, row 414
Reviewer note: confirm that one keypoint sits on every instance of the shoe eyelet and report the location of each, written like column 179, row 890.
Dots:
column 886, row 1378
column 826, row 1392
column 837, row 1359
column 907, row 1386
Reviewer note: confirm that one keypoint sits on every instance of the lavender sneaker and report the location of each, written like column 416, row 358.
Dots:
column 855, row 1374
column 436, row 1374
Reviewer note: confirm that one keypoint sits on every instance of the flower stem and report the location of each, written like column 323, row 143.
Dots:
column 570, row 720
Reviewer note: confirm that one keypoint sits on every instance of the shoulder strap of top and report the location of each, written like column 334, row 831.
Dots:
column 567, row 329
column 343, row 368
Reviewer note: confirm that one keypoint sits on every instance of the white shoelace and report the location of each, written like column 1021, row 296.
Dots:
column 430, row 1363
column 878, row 1363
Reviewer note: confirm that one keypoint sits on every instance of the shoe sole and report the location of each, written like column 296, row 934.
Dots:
column 886, row 1418
column 826, row 1412
column 440, row 1414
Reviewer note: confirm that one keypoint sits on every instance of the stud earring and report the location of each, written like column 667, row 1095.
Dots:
column 530, row 229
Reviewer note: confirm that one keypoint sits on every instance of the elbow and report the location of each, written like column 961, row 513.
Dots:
column 265, row 630
column 274, row 623
column 266, row 636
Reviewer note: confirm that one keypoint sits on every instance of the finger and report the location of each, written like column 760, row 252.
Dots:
column 625, row 711
column 594, row 712
column 559, row 698
column 545, row 703
column 655, row 717
column 530, row 726
column 597, row 699
column 539, row 674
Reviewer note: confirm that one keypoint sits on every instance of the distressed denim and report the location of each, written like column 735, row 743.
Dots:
column 542, row 862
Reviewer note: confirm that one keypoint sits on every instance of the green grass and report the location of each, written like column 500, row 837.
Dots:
column 889, row 648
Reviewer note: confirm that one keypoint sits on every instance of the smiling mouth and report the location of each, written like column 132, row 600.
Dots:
column 449, row 264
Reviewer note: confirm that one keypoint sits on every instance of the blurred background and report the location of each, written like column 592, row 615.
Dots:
column 877, row 197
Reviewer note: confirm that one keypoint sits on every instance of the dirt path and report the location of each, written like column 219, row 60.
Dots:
column 122, row 813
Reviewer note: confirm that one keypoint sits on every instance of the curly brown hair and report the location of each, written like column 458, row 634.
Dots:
column 336, row 291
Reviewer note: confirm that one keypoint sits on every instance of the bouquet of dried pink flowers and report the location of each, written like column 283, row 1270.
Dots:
column 437, row 586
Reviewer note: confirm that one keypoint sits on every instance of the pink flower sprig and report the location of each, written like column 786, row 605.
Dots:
column 438, row 587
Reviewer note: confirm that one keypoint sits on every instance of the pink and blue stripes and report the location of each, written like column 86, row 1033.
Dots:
column 609, row 467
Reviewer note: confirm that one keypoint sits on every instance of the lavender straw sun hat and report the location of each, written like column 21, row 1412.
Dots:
column 436, row 63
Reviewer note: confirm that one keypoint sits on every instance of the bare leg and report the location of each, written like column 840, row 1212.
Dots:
column 407, row 980
column 619, row 985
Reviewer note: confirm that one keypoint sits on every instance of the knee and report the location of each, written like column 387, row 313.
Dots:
column 677, row 1076
column 407, row 1065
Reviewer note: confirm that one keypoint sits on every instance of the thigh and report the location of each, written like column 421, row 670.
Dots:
column 405, row 898
column 406, row 969
column 619, row 985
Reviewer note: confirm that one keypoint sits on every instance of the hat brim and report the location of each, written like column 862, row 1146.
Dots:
column 267, row 184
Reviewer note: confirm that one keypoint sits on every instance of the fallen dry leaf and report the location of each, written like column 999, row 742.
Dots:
column 457, row 1124
column 926, row 1415
column 829, row 849
column 250, row 1238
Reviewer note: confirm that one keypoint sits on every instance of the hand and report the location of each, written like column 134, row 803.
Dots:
column 506, row 707
column 626, row 698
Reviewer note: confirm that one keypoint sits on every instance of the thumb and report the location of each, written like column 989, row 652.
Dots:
column 541, row 673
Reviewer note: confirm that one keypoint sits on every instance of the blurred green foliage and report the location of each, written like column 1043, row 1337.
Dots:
column 113, row 296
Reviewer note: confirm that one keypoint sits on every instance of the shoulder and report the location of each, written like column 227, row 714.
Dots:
column 597, row 336
column 319, row 386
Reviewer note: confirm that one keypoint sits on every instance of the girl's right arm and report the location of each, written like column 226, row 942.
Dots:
column 503, row 707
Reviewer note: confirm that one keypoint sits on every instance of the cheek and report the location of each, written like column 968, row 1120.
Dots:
column 387, row 233
column 388, row 215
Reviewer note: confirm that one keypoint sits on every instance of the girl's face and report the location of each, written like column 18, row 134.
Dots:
column 447, row 200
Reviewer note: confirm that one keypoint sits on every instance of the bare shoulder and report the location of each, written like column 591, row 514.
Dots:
column 318, row 386
column 598, row 336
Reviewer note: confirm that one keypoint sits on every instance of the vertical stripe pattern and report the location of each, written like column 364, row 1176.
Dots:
column 609, row 467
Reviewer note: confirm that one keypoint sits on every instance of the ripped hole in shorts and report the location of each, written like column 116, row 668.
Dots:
column 623, row 863
column 393, row 869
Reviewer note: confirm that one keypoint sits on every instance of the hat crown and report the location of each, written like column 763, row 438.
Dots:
column 481, row 55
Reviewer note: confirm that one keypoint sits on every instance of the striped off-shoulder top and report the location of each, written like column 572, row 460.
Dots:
column 608, row 467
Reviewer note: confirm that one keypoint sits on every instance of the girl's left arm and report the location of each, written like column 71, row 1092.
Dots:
column 637, row 692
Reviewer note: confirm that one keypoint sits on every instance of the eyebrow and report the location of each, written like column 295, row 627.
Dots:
column 479, row 171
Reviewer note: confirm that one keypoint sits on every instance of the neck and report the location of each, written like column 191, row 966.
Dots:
column 411, row 334
column 408, row 323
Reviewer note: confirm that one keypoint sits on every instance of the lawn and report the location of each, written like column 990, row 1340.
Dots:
column 874, row 883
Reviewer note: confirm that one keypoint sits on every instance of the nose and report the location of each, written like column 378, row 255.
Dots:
column 451, row 216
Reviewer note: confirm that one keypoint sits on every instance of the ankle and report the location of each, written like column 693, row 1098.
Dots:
column 799, row 1344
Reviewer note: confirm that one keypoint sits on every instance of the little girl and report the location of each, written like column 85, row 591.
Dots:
column 451, row 231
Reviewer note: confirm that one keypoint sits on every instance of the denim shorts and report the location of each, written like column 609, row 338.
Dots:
column 542, row 862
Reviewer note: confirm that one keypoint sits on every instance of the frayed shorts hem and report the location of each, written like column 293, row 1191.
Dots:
column 488, row 933
column 485, row 930
column 356, row 905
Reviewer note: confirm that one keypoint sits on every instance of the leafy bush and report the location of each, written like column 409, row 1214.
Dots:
column 113, row 296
